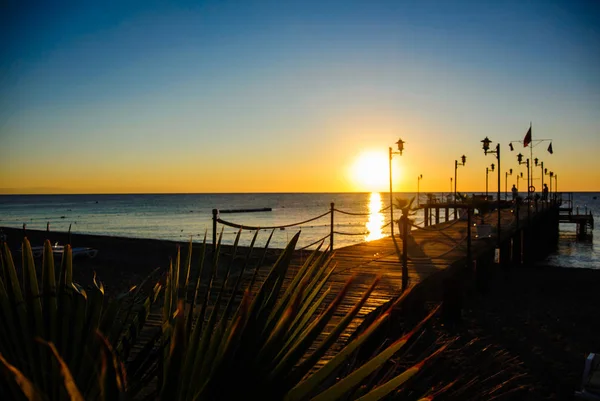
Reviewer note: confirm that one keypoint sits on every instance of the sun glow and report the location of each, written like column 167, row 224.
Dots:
column 376, row 219
column 370, row 171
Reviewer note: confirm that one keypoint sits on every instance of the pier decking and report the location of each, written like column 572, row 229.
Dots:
column 436, row 256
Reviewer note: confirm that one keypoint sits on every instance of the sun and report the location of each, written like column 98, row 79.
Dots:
column 370, row 171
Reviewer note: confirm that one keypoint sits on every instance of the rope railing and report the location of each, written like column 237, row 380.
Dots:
column 361, row 214
column 343, row 233
column 332, row 233
column 244, row 227
column 314, row 243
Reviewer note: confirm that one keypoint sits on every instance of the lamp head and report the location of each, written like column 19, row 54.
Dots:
column 520, row 158
column 510, row 173
column 511, row 147
column 492, row 167
column 464, row 159
column 486, row 144
column 545, row 171
column 400, row 144
column 536, row 161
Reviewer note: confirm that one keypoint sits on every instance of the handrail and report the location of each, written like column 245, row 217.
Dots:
column 332, row 233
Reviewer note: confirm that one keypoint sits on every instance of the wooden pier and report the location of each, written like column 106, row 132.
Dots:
column 583, row 221
column 443, row 261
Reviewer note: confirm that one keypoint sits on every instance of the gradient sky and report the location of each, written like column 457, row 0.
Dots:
column 275, row 96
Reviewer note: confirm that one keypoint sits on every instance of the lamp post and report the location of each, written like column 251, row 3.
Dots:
column 506, row 183
column 451, row 189
column 526, row 162
column 487, row 170
column 419, row 178
column 521, row 177
column 400, row 144
column 537, row 162
column 551, row 174
column 486, row 146
column 463, row 159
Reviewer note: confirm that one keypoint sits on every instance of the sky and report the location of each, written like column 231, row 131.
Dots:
column 281, row 96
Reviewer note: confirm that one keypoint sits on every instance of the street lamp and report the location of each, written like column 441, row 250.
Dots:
column 487, row 170
column 526, row 162
column 520, row 175
column 463, row 159
column 551, row 174
column 486, row 149
column 542, row 166
column 419, row 178
column 506, row 183
column 400, row 144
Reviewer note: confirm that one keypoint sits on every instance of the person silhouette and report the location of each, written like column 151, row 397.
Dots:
column 515, row 192
column 545, row 192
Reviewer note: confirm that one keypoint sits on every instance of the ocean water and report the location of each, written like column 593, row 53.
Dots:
column 183, row 216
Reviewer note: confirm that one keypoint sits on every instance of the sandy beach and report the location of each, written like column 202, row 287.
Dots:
column 536, row 324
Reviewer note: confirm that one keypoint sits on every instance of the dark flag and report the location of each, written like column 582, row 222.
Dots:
column 527, row 138
column 550, row 148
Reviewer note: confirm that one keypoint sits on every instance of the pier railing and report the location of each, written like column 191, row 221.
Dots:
column 216, row 219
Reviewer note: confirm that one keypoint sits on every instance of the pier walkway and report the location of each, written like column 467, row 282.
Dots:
column 435, row 253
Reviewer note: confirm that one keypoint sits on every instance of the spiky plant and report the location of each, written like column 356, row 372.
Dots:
column 51, row 316
column 219, row 342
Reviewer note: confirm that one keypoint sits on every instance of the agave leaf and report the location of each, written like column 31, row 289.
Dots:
column 308, row 386
column 172, row 383
column 34, row 306
column 292, row 357
column 305, row 314
column 355, row 378
column 68, row 381
column 65, row 296
column 198, row 336
column 26, row 385
column 310, row 362
column 49, row 292
column 112, row 379
column 261, row 261
column 386, row 388
column 300, row 279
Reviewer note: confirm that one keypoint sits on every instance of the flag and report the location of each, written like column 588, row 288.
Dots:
column 550, row 148
column 527, row 138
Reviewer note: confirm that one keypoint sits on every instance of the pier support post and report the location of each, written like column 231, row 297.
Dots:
column 331, row 229
column 469, row 239
column 405, row 229
column 215, row 213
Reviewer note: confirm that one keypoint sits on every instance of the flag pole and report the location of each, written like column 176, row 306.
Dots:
column 531, row 156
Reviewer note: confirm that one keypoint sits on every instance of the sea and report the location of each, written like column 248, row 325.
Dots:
column 357, row 217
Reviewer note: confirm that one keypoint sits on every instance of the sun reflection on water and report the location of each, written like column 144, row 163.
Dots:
column 375, row 223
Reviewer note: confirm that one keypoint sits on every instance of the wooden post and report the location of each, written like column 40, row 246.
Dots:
column 405, row 252
column 437, row 215
column 469, row 238
column 215, row 213
column 48, row 227
column 69, row 234
column 331, row 229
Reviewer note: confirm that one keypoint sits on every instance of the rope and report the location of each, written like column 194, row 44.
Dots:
column 342, row 233
column 234, row 225
column 314, row 243
column 430, row 228
column 351, row 213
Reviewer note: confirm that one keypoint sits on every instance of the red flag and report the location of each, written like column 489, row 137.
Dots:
column 527, row 138
column 550, row 148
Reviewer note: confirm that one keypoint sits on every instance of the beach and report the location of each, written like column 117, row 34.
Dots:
column 540, row 321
